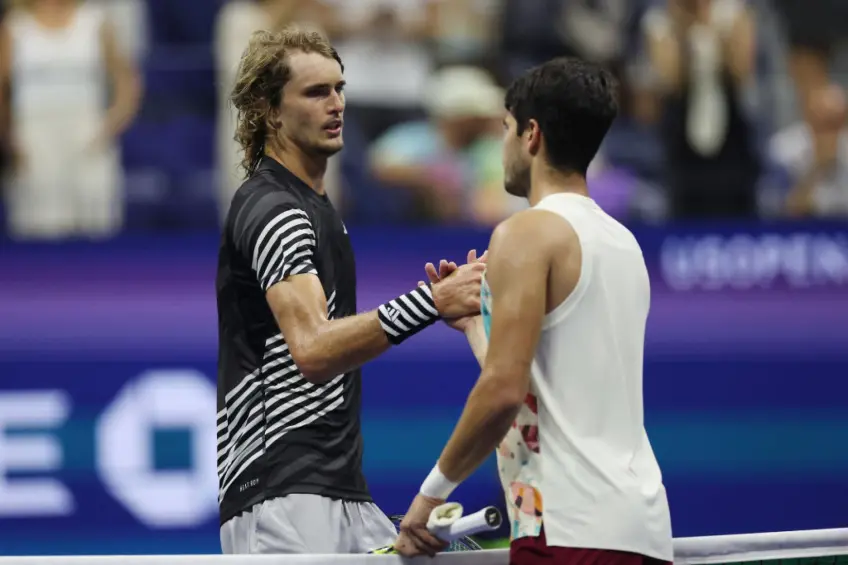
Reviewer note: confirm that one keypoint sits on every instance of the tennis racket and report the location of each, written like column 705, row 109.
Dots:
column 485, row 520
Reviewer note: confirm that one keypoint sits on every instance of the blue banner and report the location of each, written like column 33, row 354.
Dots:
column 108, row 359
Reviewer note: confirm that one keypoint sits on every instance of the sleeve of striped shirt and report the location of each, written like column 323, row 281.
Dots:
column 281, row 244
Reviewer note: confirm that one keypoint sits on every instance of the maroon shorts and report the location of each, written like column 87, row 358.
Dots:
column 535, row 551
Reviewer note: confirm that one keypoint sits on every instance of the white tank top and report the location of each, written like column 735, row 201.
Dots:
column 58, row 71
column 577, row 459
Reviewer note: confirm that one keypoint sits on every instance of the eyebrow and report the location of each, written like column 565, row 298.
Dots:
column 325, row 85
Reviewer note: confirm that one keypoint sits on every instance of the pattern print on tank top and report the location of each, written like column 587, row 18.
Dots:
column 518, row 454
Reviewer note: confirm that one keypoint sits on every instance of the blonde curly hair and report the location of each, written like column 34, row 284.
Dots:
column 263, row 72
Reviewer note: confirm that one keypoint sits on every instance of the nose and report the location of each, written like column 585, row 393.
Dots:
column 337, row 103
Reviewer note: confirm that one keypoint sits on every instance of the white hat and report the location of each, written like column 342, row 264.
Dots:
column 463, row 91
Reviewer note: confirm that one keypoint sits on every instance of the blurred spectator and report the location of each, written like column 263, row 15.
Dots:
column 611, row 187
column 814, row 156
column 465, row 31
column 61, row 58
column 529, row 34
column 236, row 21
column 4, row 118
column 129, row 20
column 385, row 48
column 603, row 32
column 703, row 52
column 450, row 165
column 633, row 146
column 814, row 28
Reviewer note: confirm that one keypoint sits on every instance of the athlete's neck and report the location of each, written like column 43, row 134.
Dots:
column 545, row 180
column 309, row 169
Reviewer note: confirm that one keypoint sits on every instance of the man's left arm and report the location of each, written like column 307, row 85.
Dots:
column 517, row 272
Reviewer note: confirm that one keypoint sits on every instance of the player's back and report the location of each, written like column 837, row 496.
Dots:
column 599, row 483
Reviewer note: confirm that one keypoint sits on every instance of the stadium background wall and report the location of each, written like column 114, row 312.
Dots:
column 107, row 395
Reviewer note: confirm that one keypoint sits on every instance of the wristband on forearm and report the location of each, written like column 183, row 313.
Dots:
column 408, row 314
column 437, row 485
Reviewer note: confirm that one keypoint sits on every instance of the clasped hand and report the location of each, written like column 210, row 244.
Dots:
column 474, row 269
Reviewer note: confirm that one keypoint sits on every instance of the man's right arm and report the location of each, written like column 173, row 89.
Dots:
column 280, row 244
column 323, row 348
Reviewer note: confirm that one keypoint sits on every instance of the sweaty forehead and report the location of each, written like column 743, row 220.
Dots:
column 313, row 68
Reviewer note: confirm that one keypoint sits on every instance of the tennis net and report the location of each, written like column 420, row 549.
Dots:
column 811, row 547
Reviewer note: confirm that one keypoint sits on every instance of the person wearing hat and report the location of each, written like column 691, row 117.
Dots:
column 448, row 166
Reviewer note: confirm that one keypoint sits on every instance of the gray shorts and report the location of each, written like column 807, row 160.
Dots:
column 308, row 523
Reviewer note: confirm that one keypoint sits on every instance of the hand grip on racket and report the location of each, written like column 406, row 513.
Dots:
column 484, row 520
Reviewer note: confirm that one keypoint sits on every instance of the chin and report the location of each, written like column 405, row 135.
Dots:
column 330, row 148
column 515, row 189
column 518, row 183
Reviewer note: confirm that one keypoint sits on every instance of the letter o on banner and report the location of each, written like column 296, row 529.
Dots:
column 160, row 399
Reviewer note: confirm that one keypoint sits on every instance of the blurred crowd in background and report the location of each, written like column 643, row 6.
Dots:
column 114, row 114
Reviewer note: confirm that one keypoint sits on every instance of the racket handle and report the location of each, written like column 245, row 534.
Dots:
column 484, row 520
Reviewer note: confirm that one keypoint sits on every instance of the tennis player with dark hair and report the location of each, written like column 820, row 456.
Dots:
column 560, row 341
column 290, row 340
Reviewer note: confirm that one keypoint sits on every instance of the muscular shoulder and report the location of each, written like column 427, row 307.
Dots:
column 257, row 201
column 535, row 234
column 266, row 221
column 259, row 193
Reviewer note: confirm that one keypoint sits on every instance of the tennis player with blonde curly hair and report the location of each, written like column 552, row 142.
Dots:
column 290, row 341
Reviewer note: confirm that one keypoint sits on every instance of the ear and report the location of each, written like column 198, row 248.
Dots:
column 534, row 136
column 275, row 121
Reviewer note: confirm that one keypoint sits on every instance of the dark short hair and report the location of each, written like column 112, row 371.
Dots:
column 575, row 103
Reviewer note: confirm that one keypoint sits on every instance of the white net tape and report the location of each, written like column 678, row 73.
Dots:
column 688, row 551
column 761, row 547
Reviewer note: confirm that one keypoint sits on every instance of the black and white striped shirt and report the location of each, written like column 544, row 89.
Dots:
column 279, row 434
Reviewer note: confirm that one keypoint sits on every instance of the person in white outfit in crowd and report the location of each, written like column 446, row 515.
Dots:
column 61, row 61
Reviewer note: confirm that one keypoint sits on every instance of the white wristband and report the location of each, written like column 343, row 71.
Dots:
column 437, row 485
